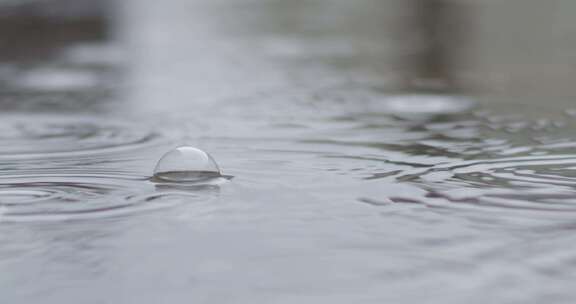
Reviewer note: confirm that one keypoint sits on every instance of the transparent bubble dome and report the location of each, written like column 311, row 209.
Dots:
column 186, row 164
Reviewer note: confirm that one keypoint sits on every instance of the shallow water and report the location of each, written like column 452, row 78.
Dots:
column 344, row 190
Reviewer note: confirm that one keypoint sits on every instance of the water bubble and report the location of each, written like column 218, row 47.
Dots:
column 186, row 164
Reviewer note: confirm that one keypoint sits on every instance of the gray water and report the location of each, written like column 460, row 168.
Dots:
column 344, row 189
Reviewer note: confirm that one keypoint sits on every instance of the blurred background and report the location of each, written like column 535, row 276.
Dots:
column 205, row 50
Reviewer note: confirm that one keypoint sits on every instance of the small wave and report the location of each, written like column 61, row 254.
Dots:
column 529, row 185
column 62, row 195
column 50, row 136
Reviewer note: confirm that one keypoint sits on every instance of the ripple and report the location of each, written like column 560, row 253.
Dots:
column 529, row 185
column 49, row 136
column 62, row 195
column 18, row 197
column 70, row 168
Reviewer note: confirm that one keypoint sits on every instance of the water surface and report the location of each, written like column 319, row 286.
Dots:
column 345, row 189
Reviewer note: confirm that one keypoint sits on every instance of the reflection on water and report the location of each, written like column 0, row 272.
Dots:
column 62, row 168
column 346, row 189
column 44, row 57
column 436, row 35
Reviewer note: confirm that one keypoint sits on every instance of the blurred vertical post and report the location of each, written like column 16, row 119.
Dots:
column 437, row 34
column 53, row 55
column 29, row 29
